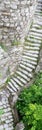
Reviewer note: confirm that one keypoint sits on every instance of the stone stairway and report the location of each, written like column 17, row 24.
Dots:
column 31, row 49
column 6, row 119
column 24, row 72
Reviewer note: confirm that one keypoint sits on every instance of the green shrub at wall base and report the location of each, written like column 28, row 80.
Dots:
column 30, row 105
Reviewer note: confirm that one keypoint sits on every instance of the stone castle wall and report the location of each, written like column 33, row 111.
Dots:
column 15, row 18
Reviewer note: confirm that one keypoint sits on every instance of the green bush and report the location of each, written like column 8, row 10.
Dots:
column 30, row 105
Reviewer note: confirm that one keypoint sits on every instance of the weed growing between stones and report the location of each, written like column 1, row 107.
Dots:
column 15, row 43
column 3, row 46
column 1, row 111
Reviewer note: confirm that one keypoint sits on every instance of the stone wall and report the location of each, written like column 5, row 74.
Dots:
column 9, row 62
column 15, row 19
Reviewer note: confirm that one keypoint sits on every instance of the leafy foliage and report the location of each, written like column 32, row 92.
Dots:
column 3, row 46
column 30, row 105
column 1, row 112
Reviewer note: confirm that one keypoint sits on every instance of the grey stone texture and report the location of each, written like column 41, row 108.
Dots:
column 9, row 62
column 19, row 126
column 15, row 19
column 39, row 66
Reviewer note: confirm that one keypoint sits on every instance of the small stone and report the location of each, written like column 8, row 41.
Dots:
column 19, row 126
column 37, row 69
column 13, row 5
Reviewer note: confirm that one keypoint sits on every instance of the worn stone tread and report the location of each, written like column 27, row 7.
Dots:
column 31, row 55
column 16, row 86
column 11, row 86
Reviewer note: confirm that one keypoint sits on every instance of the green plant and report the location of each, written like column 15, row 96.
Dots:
column 33, row 116
column 15, row 42
column 3, row 46
column 38, row 80
column 8, row 79
column 1, row 112
column 29, row 105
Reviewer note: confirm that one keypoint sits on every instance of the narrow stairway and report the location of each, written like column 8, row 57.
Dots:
column 24, row 73
column 31, row 49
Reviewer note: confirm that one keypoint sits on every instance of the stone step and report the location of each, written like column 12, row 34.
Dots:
column 29, row 58
column 11, row 86
column 38, row 22
column 32, row 51
column 31, row 55
column 36, row 41
column 10, row 89
column 36, row 30
column 17, row 82
column 25, row 67
column 39, row 17
column 20, row 81
column 28, row 64
column 25, row 72
column 36, row 26
column 38, row 12
column 39, row 7
column 19, row 73
column 31, row 48
column 29, row 61
column 35, row 34
column 32, row 44
column 39, row 2
column 13, row 82
column 35, row 37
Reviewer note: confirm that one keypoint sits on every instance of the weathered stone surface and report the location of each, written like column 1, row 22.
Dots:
column 8, row 62
column 20, row 126
column 14, row 17
column 39, row 66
